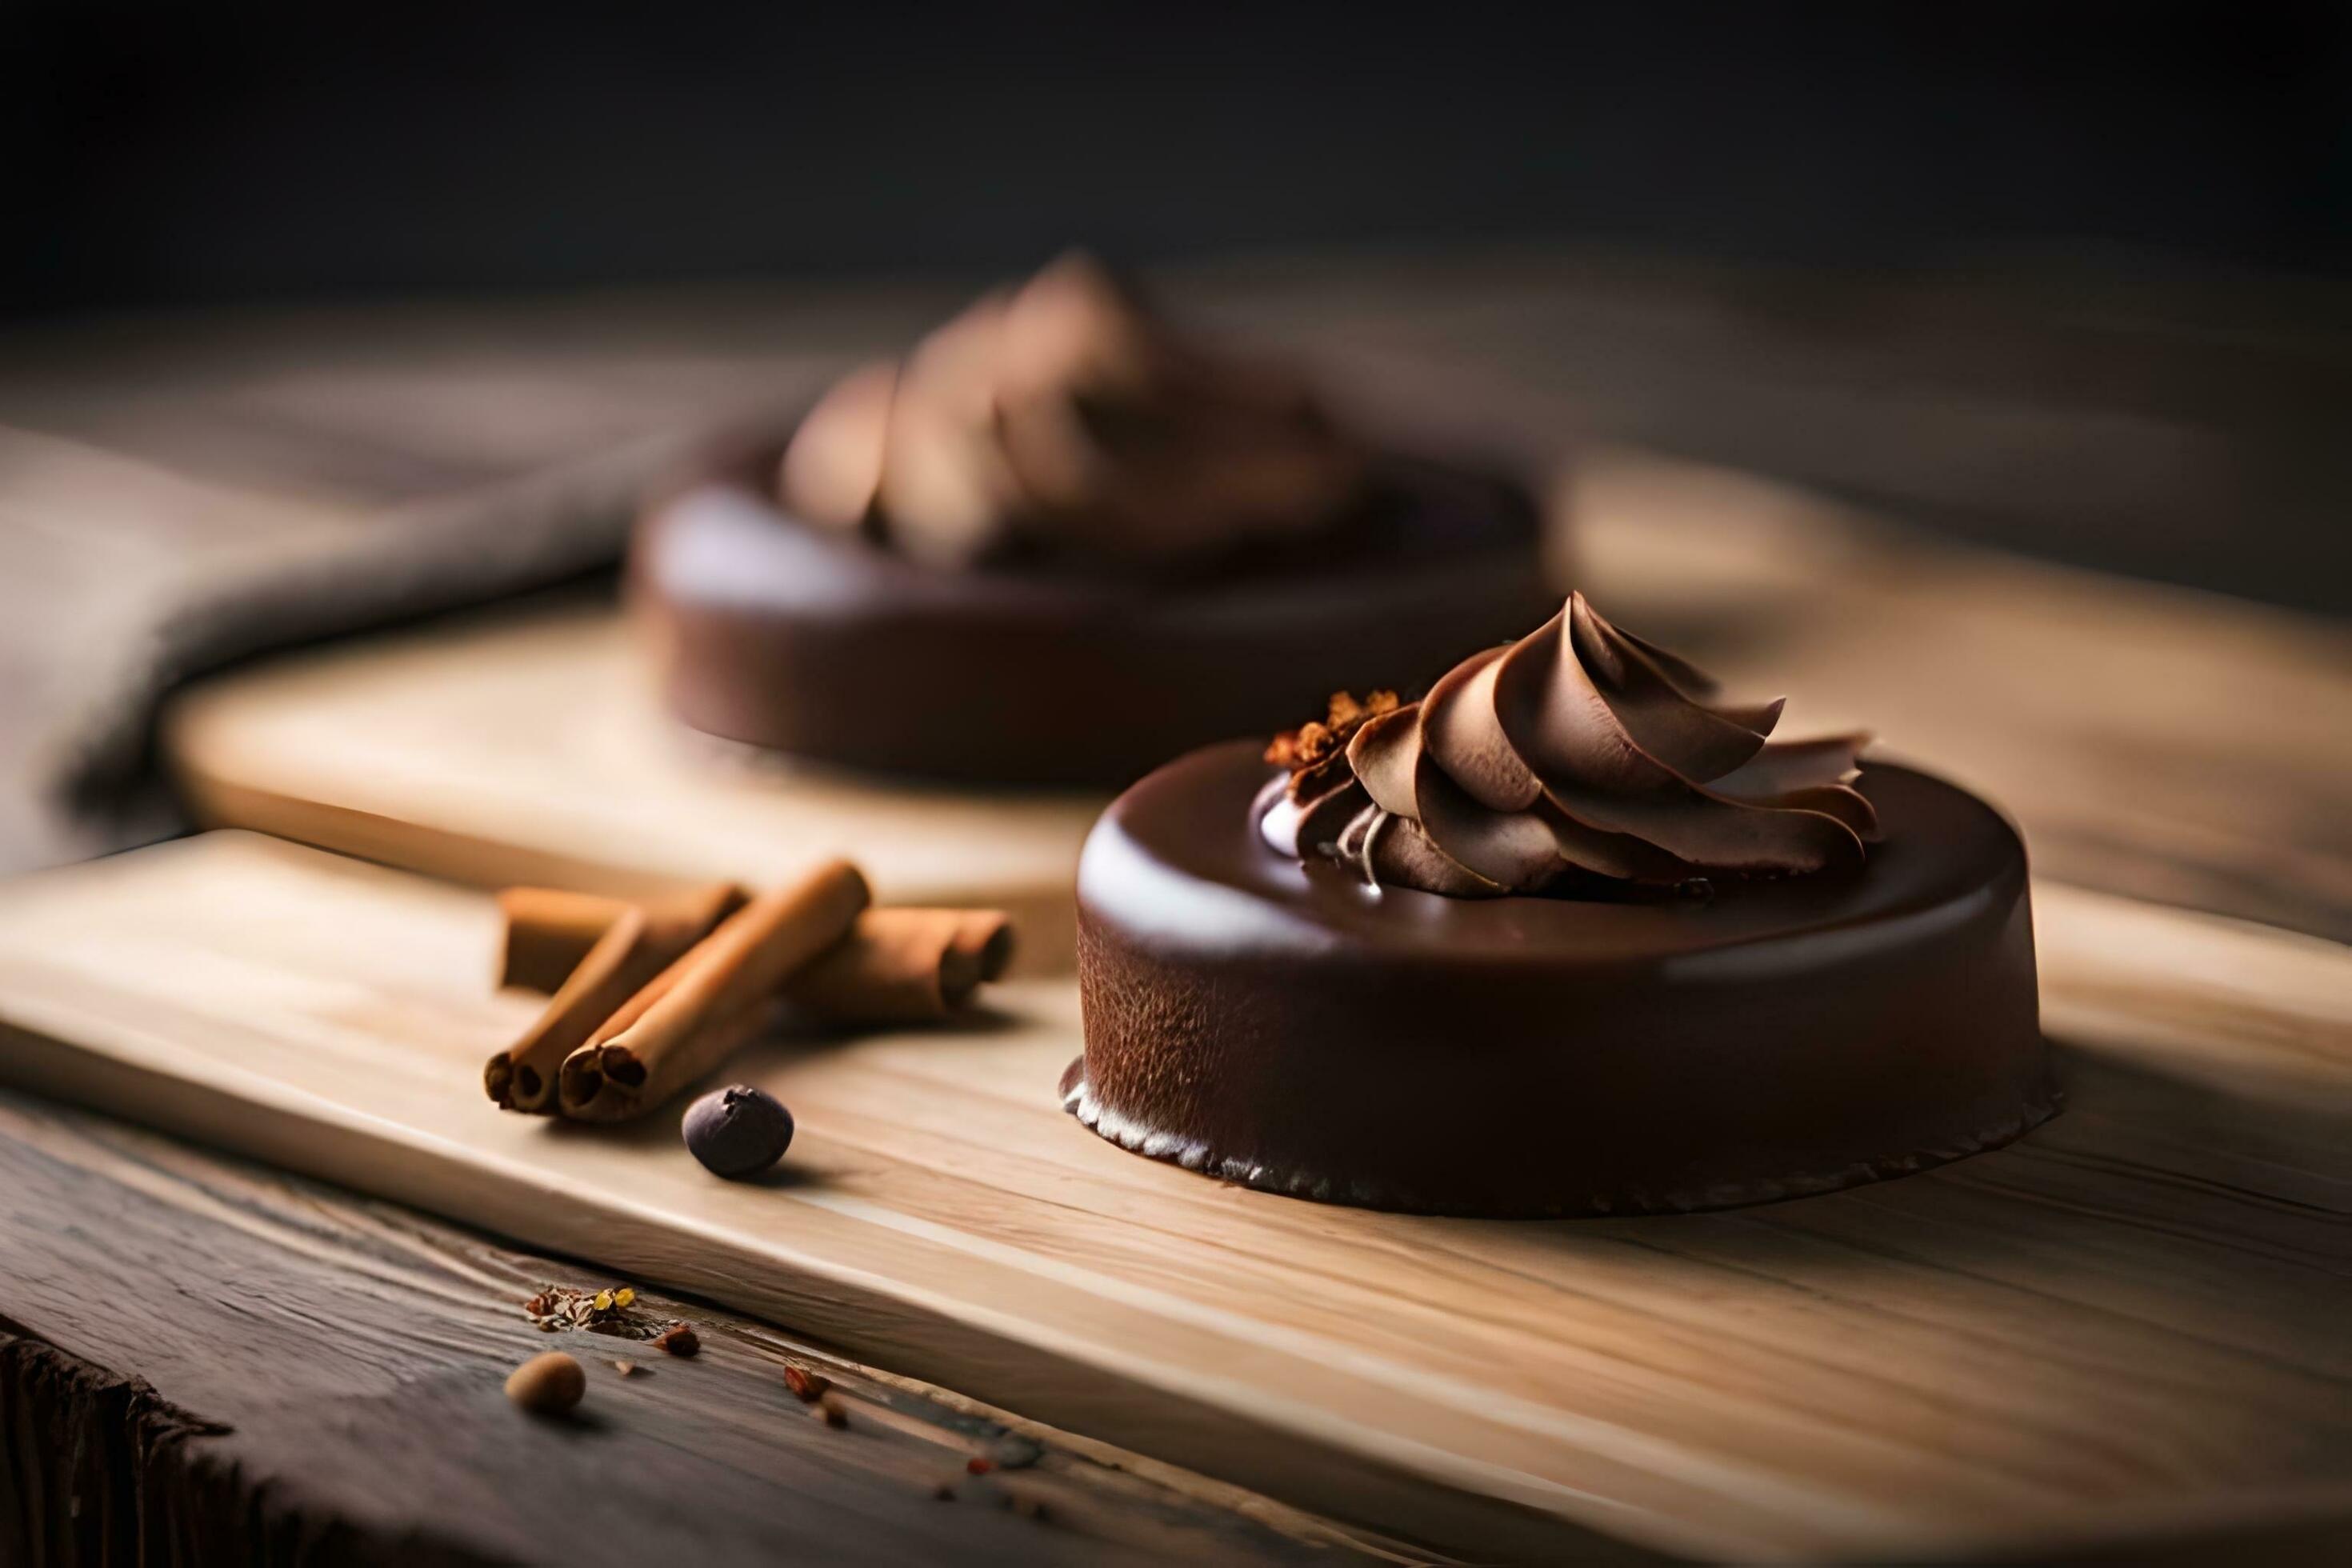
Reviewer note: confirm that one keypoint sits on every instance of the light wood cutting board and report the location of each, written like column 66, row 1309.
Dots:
column 2129, row 1327
column 509, row 748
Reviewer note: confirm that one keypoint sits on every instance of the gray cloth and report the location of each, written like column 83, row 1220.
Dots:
column 84, row 668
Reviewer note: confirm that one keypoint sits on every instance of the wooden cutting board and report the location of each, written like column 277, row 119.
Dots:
column 531, row 747
column 2130, row 1326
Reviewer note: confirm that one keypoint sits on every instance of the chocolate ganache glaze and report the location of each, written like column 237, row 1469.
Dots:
column 1569, row 936
column 1066, row 419
column 1578, row 753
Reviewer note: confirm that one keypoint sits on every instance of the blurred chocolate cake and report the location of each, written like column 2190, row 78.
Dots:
column 1059, row 541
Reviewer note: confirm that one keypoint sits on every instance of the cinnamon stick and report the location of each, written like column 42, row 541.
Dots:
column 905, row 966
column 689, row 1019
column 636, row 945
column 549, row 931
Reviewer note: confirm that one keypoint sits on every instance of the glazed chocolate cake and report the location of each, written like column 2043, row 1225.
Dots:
column 970, row 564
column 1567, row 936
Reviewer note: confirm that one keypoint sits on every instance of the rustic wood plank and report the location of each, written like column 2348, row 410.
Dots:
column 2131, row 1317
column 342, row 1359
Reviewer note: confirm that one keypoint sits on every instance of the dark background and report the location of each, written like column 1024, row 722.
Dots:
column 2067, row 279
column 174, row 154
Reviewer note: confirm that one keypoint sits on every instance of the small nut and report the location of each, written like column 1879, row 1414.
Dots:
column 547, row 1384
column 829, row 1410
column 678, row 1338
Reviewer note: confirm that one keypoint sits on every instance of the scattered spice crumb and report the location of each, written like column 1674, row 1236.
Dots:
column 979, row 1465
column 1027, row 1506
column 830, row 1412
column 944, row 1492
column 625, row 1368
column 678, row 1338
column 610, row 1311
column 806, row 1386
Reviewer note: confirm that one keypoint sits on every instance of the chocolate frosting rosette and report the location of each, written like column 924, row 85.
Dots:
column 1580, row 753
column 1064, row 417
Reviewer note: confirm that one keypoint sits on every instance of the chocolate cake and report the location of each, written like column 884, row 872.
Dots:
column 1567, row 936
column 1058, row 543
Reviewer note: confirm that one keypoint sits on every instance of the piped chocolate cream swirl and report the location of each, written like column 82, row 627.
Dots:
column 1580, row 754
column 1064, row 418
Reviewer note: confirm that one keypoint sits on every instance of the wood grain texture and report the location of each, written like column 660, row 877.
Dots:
column 2151, row 741
column 500, row 749
column 2127, row 1326
column 319, row 1382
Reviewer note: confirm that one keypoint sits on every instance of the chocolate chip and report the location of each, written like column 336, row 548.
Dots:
column 738, row 1132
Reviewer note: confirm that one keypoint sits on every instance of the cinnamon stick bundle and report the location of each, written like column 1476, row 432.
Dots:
column 906, row 966
column 691, row 1015
column 898, row 965
column 634, row 945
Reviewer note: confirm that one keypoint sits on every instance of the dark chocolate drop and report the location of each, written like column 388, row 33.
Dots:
column 738, row 1132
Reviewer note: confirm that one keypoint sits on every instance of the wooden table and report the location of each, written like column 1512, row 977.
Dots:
column 216, row 1362
column 1950, row 1363
column 2178, row 749
column 1957, row 1363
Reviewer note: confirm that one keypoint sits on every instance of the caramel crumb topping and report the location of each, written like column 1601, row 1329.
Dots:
column 1317, row 753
